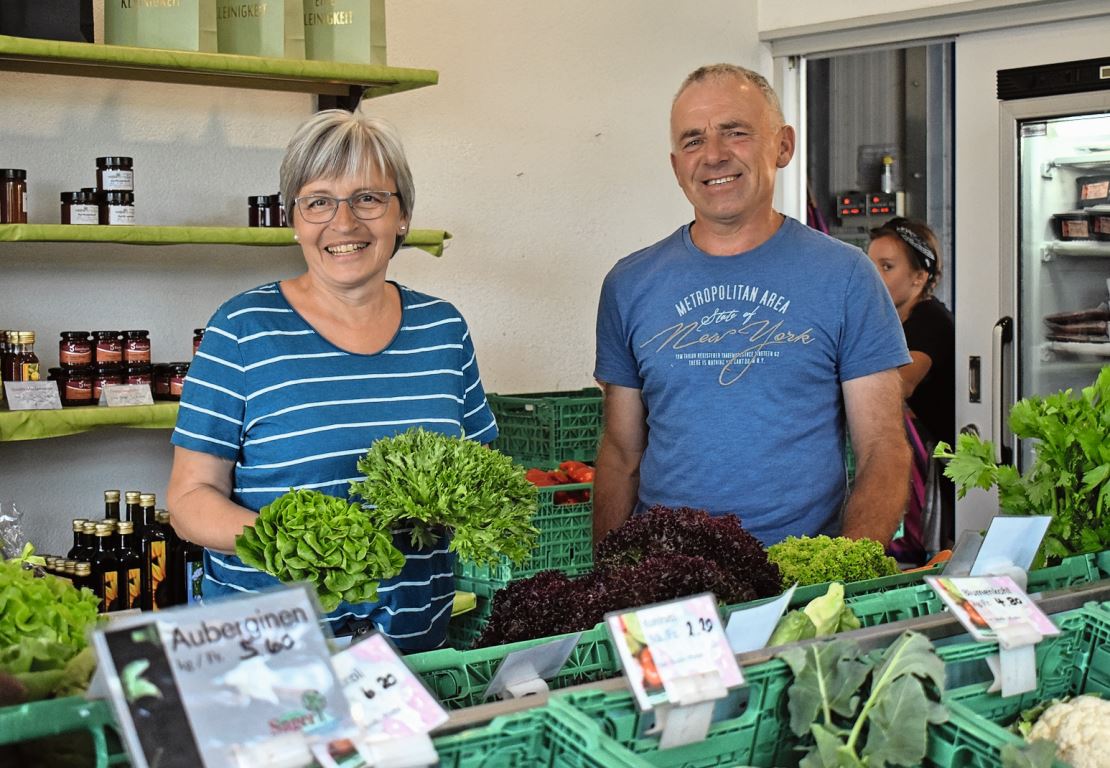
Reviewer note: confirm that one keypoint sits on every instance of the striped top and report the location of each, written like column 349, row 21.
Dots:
column 292, row 410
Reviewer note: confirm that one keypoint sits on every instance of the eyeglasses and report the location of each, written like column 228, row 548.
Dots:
column 320, row 209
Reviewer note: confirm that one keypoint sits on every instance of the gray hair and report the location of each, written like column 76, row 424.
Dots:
column 702, row 74
column 336, row 143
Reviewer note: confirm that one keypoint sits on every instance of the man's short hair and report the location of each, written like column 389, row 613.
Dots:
column 708, row 71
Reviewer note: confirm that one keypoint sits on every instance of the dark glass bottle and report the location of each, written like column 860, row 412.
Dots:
column 77, row 551
column 131, row 509
column 192, row 557
column 152, row 547
column 105, row 570
column 111, row 505
column 130, row 566
column 167, row 592
column 82, row 571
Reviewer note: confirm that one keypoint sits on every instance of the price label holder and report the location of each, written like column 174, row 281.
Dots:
column 995, row 608
column 750, row 629
column 113, row 395
column 1010, row 546
column 964, row 554
column 678, row 662
column 526, row 672
column 391, row 705
column 33, row 395
column 240, row 682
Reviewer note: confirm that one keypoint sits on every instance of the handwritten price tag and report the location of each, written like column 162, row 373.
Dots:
column 33, row 395
column 385, row 697
column 987, row 605
column 664, row 647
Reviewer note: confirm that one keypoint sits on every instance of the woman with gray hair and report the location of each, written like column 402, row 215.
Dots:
column 294, row 380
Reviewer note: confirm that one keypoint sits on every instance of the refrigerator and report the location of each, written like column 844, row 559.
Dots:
column 1054, row 291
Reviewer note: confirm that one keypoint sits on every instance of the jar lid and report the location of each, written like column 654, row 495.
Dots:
column 79, row 370
column 26, row 337
column 178, row 367
column 133, row 334
column 105, row 162
column 106, row 334
column 261, row 200
column 78, row 198
column 139, row 368
column 75, row 335
column 198, row 331
column 13, row 173
column 107, row 369
column 119, row 197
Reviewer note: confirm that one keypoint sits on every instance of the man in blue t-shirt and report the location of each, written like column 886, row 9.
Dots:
column 734, row 352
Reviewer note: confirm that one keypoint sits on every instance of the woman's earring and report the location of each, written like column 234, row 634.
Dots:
column 296, row 236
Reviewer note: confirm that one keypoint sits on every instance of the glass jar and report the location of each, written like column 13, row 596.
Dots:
column 109, row 349
column 136, row 346
column 115, row 174
column 80, row 208
column 106, row 374
column 75, row 348
column 13, row 196
column 198, row 336
column 138, row 373
column 78, row 387
column 160, row 380
column 261, row 210
column 117, row 208
column 26, row 363
column 176, row 380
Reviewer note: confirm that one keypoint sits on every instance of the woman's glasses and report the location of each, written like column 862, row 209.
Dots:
column 320, row 209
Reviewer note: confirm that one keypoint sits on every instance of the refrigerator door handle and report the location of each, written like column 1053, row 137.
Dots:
column 1001, row 338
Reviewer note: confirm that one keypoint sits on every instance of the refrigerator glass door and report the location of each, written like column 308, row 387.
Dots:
column 1063, row 275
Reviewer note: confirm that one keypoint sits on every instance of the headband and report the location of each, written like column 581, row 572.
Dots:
column 910, row 238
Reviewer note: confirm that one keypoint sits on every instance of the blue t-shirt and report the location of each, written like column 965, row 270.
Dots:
column 739, row 360
column 292, row 410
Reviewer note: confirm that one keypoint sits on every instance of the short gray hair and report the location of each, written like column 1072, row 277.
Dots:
column 336, row 143
column 702, row 74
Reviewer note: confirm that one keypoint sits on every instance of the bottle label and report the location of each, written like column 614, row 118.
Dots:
column 29, row 372
column 84, row 214
column 121, row 214
column 109, row 591
column 117, row 180
column 157, row 565
column 134, row 588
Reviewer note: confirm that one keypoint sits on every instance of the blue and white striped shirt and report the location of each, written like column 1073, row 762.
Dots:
column 292, row 410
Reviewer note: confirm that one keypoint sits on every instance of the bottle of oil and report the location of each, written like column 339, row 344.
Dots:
column 78, row 547
column 152, row 548
column 130, row 566
column 111, row 504
column 131, row 508
column 83, row 575
column 168, row 593
column 105, row 570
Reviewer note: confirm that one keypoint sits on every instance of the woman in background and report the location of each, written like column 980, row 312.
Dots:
column 907, row 255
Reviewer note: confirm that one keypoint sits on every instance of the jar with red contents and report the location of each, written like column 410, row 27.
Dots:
column 176, row 380
column 198, row 336
column 138, row 373
column 136, row 347
column 75, row 348
column 109, row 349
column 160, row 381
column 109, row 373
column 77, row 388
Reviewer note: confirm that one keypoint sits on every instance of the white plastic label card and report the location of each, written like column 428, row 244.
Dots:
column 113, row 395
column 385, row 697
column 33, row 395
column 665, row 648
column 749, row 629
column 523, row 672
column 1011, row 541
column 992, row 605
column 213, row 685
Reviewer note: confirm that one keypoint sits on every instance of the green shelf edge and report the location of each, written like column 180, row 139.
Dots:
column 126, row 62
column 39, row 425
column 430, row 240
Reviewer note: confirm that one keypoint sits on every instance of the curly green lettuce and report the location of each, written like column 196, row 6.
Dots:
column 433, row 482
column 815, row 560
column 334, row 545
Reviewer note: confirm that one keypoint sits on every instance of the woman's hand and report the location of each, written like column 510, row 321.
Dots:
column 199, row 500
column 914, row 372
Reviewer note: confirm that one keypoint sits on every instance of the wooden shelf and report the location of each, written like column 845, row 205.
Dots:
column 430, row 240
column 333, row 78
column 38, row 425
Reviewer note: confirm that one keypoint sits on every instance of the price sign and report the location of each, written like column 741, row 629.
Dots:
column 113, row 395
column 385, row 697
column 990, row 605
column 664, row 647
column 206, row 685
column 33, row 395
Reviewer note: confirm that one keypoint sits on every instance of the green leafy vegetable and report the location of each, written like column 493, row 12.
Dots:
column 815, row 560
column 429, row 481
column 333, row 544
column 863, row 711
column 1039, row 754
column 42, row 626
column 1068, row 479
column 822, row 616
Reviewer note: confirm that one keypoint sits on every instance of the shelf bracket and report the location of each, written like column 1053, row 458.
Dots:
column 348, row 101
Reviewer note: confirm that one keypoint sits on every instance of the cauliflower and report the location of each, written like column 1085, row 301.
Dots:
column 1078, row 727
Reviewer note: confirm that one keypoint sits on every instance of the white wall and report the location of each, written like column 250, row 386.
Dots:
column 543, row 150
column 777, row 15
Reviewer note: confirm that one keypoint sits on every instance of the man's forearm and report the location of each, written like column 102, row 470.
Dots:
column 616, row 487
column 879, row 496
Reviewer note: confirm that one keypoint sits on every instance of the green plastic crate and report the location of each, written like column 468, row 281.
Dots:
column 464, row 629
column 1075, row 661
column 542, row 429
column 459, row 678
column 80, row 727
column 565, row 544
